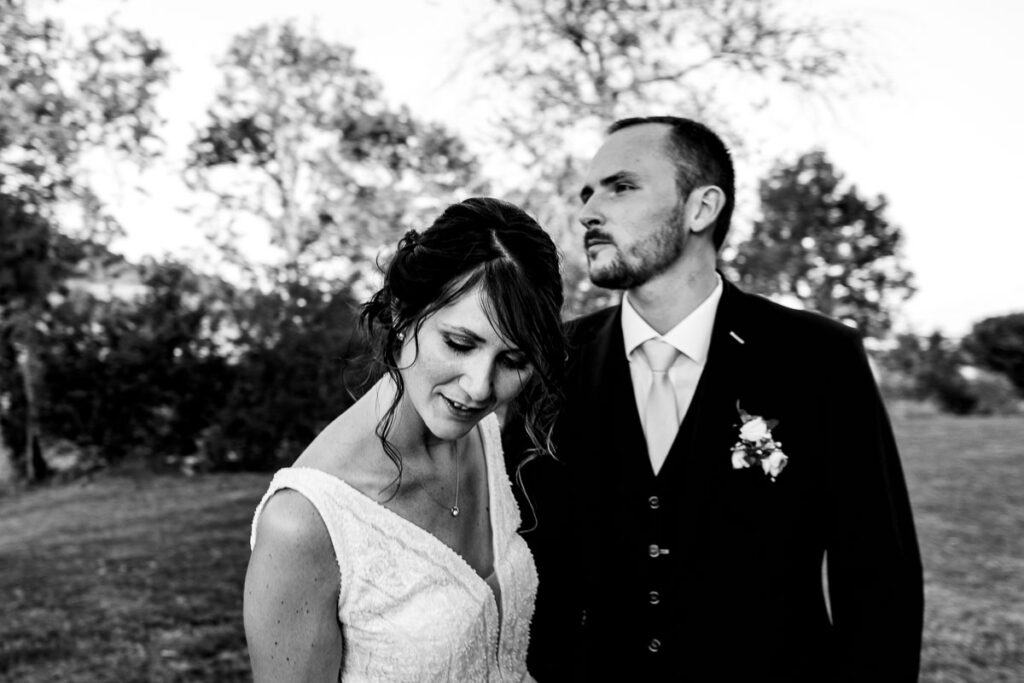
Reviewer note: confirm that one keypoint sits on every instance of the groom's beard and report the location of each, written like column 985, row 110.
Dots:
column 640, row 261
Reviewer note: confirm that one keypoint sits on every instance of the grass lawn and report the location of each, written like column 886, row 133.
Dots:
column 126, row 579
column 966, row 479
column 140, row 579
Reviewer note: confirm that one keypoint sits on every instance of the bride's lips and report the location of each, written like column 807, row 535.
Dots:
column 462, row 411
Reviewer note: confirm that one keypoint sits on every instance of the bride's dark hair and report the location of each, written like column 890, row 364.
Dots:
column 498, row 246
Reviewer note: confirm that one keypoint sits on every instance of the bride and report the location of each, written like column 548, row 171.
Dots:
column 389, row 550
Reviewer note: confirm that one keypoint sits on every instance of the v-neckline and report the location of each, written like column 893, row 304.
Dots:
column 430, row 538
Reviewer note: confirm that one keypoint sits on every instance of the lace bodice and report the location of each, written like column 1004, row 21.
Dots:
column 411, row 608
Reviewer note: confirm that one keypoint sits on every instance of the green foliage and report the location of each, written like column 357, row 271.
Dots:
column 820, row 242
column 301, row 144
column 997, row 343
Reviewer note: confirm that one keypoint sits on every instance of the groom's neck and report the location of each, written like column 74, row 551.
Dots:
column 666, row 299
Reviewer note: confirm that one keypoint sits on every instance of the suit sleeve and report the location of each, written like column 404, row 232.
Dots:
column 515, row 447
column 875, row 580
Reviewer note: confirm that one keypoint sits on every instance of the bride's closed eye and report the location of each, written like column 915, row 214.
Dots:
column 513, row 360
column 458, row 345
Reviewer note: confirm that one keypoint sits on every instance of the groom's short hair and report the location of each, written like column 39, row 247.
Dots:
column 701, row 158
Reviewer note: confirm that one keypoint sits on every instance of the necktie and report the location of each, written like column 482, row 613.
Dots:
column 661, row 416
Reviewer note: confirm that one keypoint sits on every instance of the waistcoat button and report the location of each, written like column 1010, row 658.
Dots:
column 654, row 645
column 654, row 502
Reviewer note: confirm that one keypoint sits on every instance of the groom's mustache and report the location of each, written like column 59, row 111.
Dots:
column 596, row 236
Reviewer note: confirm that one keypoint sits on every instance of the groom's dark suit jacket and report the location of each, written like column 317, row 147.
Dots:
column 706, row 573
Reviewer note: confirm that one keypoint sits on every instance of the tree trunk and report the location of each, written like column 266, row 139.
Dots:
column 36, row 468
column 8, row 472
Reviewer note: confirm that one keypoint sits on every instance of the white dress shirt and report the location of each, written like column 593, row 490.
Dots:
column 691, row 337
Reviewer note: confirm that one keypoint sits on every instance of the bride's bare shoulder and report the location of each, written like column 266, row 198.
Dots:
column 349, row 449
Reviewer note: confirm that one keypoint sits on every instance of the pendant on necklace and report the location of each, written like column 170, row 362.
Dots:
column 455, row 511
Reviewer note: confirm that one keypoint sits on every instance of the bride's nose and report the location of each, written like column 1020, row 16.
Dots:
column 477, row 379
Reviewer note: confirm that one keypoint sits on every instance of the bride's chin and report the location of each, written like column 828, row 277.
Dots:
column 450, row 432
column 449, row 428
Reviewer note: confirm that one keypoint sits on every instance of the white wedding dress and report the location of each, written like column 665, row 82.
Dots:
column 410, row 608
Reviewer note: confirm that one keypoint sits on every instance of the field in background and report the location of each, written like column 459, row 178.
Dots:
column 126, row 579
column 139, row 578
column 966, row 479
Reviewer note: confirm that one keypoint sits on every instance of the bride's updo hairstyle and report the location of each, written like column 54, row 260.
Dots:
column 494, row 244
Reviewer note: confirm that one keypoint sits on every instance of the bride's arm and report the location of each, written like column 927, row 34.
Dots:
column 291, row 595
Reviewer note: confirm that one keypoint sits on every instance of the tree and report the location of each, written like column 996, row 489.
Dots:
column 301, row 144
column 822, row 244
column 932, row 368
column 940, row 375
column 293, row 375
column 141, row 372
column 59, row 99
column 997, row 343
column 572, row 67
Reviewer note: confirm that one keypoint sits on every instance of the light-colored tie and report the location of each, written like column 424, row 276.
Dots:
column 661, row 415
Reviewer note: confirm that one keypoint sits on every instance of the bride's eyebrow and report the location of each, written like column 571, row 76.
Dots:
column 464, row 331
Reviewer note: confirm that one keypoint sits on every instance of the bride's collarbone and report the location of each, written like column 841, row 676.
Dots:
column 426, row 503
column 424, row 494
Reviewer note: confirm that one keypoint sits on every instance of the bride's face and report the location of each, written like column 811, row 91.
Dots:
column 458, row 368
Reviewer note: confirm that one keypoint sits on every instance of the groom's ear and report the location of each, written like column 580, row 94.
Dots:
column 703, row 206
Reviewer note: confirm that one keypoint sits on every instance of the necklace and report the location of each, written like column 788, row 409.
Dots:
column 455, row 508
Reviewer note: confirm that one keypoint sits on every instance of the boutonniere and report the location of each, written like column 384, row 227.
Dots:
column 756, row 445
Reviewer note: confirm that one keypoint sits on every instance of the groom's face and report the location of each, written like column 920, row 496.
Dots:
column 631, row 210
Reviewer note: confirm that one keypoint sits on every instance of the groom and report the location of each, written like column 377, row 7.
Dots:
column 714, row 451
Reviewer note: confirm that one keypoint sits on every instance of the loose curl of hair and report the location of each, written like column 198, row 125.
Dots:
column 498, row 246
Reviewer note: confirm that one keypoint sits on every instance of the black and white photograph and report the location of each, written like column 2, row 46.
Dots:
column 511, row 341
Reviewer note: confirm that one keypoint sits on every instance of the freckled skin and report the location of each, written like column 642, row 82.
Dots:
column 433, row 370
column 291, row 589
column 276, row 627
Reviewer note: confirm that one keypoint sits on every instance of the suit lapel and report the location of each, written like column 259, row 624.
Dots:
column 708, row 430
column 612, row 423
column 703, row 445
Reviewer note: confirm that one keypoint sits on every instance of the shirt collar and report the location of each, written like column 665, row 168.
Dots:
column 691, row 335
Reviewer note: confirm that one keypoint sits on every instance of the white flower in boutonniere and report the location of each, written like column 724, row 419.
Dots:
column 773, row 464
column 739, row 459
column 754, row 429
column 756, row 445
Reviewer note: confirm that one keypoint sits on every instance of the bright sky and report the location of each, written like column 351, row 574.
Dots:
column 944, row 143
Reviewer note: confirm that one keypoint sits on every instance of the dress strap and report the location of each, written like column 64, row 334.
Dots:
column 327, row 494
